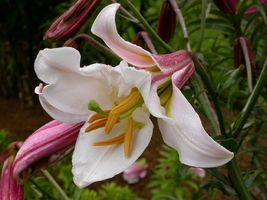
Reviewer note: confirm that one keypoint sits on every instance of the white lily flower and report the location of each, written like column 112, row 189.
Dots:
column 180, row 125
column 117, row 128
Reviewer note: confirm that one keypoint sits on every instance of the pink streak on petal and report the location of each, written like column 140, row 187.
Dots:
column 52, row 138
column 104, row 27
column 179, row 78
column 173, row 60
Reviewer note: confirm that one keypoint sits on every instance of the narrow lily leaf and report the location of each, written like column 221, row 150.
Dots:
column 104, row 27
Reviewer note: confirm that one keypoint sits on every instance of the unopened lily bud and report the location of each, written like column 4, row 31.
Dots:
column 135, row 172
column 252, row 10
column 10, row 188
column 71, row 21
column 14, row 146
column 166, row 22
column 199, row 172
column 239, row 58
column 52, row 138
column 227, row 6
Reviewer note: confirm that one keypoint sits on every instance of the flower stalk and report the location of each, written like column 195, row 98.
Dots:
column 55, row 184
column 240, row 122
column 148, row 27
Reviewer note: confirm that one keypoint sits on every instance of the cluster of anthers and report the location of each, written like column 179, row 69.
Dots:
column 107, row 119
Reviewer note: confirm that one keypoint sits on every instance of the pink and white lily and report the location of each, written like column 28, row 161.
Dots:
column 117, row 127
column 180, row 125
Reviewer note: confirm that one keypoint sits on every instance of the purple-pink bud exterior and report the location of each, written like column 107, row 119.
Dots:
column 252, row 10
column 52, row 138
column 166, row 22
column 10, row 188
column 227, row 6
column 239, row 58
column 71, row 21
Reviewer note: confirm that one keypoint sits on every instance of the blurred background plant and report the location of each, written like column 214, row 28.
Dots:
column 214, row 34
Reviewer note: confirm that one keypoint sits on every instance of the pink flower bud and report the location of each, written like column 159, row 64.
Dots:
column 227, row 6
column 52, row 138
column 252, row 10
column 70, row 22
column 135, row 172
column 9, row 150
column 166, row 22
column 199, row 172
column 239, row 58
column 10, row 188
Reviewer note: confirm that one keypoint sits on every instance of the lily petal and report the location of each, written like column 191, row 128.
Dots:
column 71, row 89
column 50, row 62
column 182, row 128
column 56, row 113
column 184, row 132
column 92, row 164
column 104, row 27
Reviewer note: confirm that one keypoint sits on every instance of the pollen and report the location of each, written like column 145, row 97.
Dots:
column 97, row 116
column 125, row 105
column 128, row 138
column 115, row 140
column 96, row 124
column 130, row 101
column 111, row 121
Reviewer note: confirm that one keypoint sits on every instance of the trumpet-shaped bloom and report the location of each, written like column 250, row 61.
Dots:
column 117, row 127
column 180, row 125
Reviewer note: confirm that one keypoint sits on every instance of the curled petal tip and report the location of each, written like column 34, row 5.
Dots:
column 104, row 27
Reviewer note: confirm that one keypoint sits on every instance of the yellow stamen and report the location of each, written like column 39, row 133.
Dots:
column 115, row 140
column 96, row 124
column 128, row 138
column 153, row 69
column 112, row 120
column 165, row 96
column 97, row 116
column 127, row 103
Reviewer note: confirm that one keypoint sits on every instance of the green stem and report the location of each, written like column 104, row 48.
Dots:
column 208, row 83
column 240, row 122
column 55, row 184
column 148, row 27
column 40, row 189
column 237, row 181
column 202, row 25
column 202, row 97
